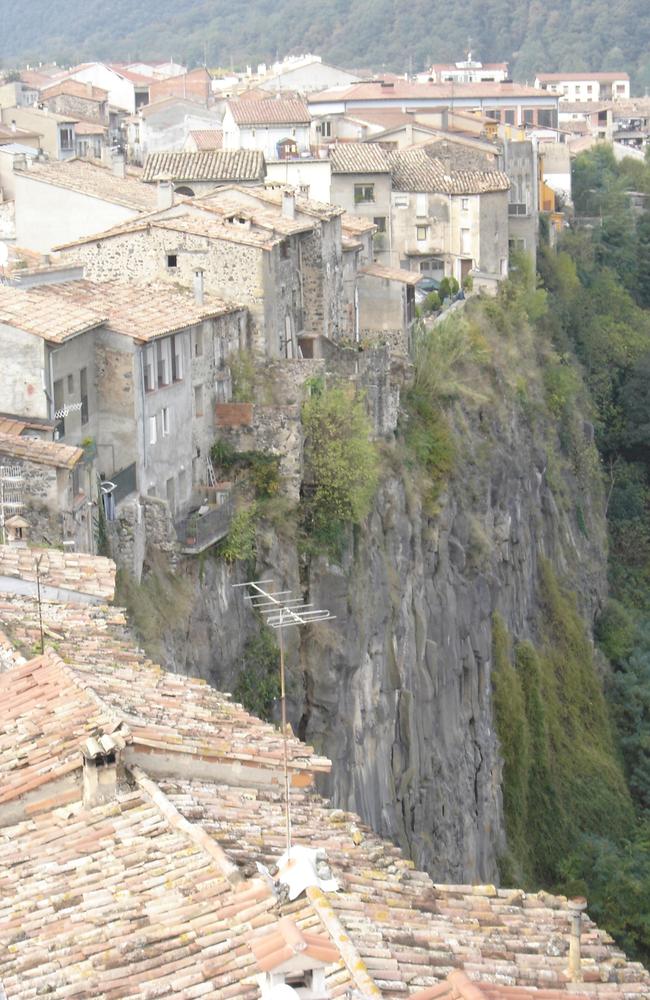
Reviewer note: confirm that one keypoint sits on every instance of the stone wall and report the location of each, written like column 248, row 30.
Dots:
column 322, row 269
column 272, row 429
column 142, row 524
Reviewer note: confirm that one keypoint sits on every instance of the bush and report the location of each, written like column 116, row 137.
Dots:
column 341, row 461
column 258, row 684
column 265, row 475
column 431, row 303
column 239, row 543
column 223, row 454
column 448, row 288
column 615, row 632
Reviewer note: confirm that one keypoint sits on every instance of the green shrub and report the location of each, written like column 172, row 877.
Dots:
column 341, row 461
column 239, row 543
column 265, row 475
column 431, row 303
column 223, row 454
column 429, row 440
column 244, row 377
column 615, row 632
column 258, row 683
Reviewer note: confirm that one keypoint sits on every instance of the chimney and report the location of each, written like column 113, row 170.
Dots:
column 102, row 768
column 198, row 286
column 165, row 194
column 576, row 908
column 118, row 166
column 89, row 89
column 13, row 124
column 288, row 204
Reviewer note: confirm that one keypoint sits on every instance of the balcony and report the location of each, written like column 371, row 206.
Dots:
column 207, row 525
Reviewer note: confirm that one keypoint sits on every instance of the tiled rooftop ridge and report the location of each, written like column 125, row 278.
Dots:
column 93, row 576
column 406, row 932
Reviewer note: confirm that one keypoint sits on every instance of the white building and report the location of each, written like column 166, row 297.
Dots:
column 279, row 128
column 575, row 87
column 304, row 74
column 467, row 71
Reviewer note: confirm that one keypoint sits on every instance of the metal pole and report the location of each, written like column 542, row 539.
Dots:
column 38, row 597
column 285, row 750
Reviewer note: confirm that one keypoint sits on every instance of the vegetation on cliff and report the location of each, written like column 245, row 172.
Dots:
column 573, row 822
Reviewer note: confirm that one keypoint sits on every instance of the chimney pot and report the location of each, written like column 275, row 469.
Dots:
column 576, row 908
column 288, row 204
column 118, row 166
column 198, row 286
column 165, row 194
column 102, row 769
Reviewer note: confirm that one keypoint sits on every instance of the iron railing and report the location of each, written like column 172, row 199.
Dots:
column 199, row 531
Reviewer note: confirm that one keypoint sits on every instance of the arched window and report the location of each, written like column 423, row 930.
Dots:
column 187, row 191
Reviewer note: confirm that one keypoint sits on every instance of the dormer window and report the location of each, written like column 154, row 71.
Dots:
column 291, row 957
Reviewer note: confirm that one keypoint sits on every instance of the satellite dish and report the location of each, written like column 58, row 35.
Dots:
column 4, row 254
column 282, row 992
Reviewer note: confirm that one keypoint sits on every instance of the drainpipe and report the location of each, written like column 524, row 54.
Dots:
column 576, row 909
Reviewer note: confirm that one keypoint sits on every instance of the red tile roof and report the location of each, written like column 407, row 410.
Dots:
column 599, row 77
column 287, row 940
column 74, row 88
column 270, row 112
column 208, row 138
column 403, row 90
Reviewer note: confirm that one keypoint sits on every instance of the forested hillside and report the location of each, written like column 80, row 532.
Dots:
column 561, row 34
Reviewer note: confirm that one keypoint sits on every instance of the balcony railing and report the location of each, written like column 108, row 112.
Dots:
column 199, row 531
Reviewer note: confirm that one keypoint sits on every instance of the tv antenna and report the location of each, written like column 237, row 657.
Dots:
column 280, row 610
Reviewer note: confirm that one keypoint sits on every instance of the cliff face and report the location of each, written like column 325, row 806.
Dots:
column 397, row 690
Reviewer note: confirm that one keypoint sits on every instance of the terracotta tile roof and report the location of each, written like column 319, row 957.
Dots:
column 76, row 571
column 139, row 898
column 403, row 90
column 141, row 312
column 40, row 451
column 414, row 170
column 166, row 713
column 44, row 717
column 392, row 273
column 139, row 79
column 270, row 112
column 31, row 310
column 210, row 224
column 7, row 134
column 599, row 77
column 219, row 165
column 359, row 158
column 74, row 88
column 287, row 940
column 90, row 128
column 208, row 138
column 273, row 196
column 96, row 181
column 411, row 932
column 356, row 224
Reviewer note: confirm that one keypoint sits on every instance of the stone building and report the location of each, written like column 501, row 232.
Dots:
column 129, row 372
column 81, row 100
column 248, row 253
column 48, row 483
column 449, row 222
column 361, row 184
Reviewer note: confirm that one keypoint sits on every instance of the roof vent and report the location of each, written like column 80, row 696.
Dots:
column 102, row 767
column 303, row 867
column 387, row 83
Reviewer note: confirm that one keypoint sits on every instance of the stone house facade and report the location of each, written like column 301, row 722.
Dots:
column 361, row 185
column 81, row 100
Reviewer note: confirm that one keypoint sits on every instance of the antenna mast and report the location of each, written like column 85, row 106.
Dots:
column 280, row 610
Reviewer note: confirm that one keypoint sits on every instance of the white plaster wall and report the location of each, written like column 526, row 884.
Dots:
column 47, row 215
column 267, row 139
column 314, row 173
column 21, row 373
column 121, row 92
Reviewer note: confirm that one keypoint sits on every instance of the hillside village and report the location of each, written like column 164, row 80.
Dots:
column 186, row 260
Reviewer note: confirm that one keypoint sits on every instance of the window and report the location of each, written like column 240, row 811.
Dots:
column 198, row 343
column 172, row 260
column 149, row 361
column 59, row 409
column 465, row 241
column 67, row 138
column 176, row 347
column 517, row 208
column 70, row 383
column 421, row 233
column 421, row 204
column 380, row 222
column 153, row 430
column 284, row 250
column 198, row 400
column 509, row 116
column 401, row 200
column 528, row 117
column 165, row 421
column 83, row 392
column 464, row 204
column 547, row 118
column 363, row 192
column 326, row 130
column 163, row 362
column 493, row 113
